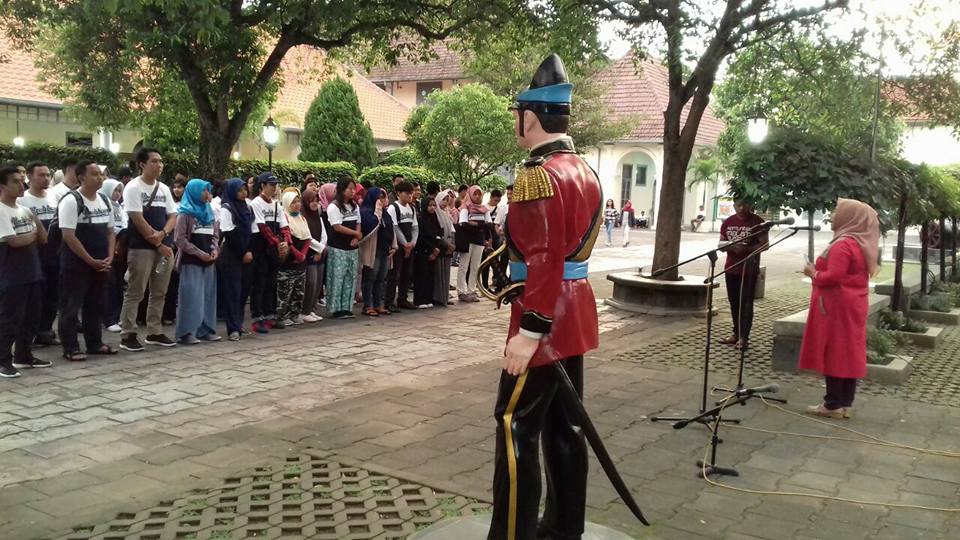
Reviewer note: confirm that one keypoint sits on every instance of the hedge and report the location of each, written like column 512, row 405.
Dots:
column 406, row 157
column 53, row 155
column 382, row 175
column 491, row 182
column 288, row 172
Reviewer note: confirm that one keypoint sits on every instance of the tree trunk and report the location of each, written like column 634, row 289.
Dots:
column 898, row 262
column 953, row 235
column 924, row 262
column 670, row 214
column 810, row 246
column 943, row 249
column 214, row 155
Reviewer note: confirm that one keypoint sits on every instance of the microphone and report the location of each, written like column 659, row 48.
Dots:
column 815, row 228
column 771, row 388
column 770, row 224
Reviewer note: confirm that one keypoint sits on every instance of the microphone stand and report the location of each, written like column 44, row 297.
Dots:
column 710, row 281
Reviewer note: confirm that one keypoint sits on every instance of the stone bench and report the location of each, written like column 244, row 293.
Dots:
column 788, row 333
column 911, row 286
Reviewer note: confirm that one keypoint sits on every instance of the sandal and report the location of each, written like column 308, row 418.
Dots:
column 384, row 311
column 743, row 345
column 74, row 356
column 370, row 312
column 104, row 350
column 729, row 340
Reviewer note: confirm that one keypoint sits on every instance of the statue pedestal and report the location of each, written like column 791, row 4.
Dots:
column 685, row 297
column 476, row 528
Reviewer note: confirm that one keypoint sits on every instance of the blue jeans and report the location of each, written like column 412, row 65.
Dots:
column 375, row 281
column 609, row 224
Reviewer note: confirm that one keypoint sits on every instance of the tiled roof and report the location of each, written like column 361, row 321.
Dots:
column 303, row 71
column 18, row 77
column 641, row 90
column 446, row 66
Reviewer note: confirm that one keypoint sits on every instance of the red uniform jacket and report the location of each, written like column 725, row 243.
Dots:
column 544, row 233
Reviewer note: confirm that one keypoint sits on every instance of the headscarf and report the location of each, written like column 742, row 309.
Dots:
column 119, row 217
column 368, row 211
column 628, row 207
column 291, row 189
column 299, row 227
column 444, row 214
column 313, row 218
column 472, row 207
column 359, row 194
column 327, row 194
column 430, row 227
column 859, row 221
column 242, row 214
column 109, row 186
column 192, row 203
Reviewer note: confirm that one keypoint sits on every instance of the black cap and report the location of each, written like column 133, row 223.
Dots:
column 267, row 178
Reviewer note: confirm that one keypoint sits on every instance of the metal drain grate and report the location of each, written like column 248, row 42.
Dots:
column 305, row 497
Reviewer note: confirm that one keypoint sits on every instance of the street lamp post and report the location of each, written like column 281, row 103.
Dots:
column 271, row 135
column 757, row 128
column 18, row 140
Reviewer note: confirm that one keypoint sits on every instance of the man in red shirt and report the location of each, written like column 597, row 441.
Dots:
column 742, row 278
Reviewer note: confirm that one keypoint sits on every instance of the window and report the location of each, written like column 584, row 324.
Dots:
column 424, row 89
column 641, row 176
column 78, row 138
column 625, row 184
column 293, row 138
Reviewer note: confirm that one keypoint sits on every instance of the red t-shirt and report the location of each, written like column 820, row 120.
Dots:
column 734, row 228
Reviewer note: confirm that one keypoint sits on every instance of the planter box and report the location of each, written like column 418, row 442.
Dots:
column 911, row 286
column 936, row 317
column 639, row 294
column 927, row 340
column 896, row 372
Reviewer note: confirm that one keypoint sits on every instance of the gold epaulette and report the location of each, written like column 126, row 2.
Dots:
column 532, row 182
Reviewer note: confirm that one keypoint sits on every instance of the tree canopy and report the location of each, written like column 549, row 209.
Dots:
column 465, row 134
column 334, row 128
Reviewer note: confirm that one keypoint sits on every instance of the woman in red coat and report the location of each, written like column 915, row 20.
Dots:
column 835, row 338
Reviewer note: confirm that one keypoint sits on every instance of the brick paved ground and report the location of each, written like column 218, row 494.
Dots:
column 89, row 446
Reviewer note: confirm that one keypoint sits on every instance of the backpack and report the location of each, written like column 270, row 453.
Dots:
column 54, row 234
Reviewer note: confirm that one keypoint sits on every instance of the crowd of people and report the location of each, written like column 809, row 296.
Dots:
column 131, row 254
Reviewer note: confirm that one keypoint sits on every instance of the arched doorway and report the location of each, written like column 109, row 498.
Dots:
column 637, row 181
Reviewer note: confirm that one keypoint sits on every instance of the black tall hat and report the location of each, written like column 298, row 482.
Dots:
column 549, row 84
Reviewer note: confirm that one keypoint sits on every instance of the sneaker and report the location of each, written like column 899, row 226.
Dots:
column 188, row 339
column 130, row 343
column 243, row 332
column 234, row 336
column 317, row 316
column 323, row 302
column 287, row 322
column 822, row 410
column 160, row 339
column 424, row 306
column 278, row 325
column 297, row 320
column 167, row 322
column 349, row 315
column 341, row 315
column 210, row 337
column 259, row 327
column 9, row 372
column 33, row 363
column 113, row 328
column 847, row 412
column 269, row 323
column 308, row 318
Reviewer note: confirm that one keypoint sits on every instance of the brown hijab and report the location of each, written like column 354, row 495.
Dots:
column 859, row 221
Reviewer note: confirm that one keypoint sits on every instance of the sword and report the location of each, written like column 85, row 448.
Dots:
column 606, row 462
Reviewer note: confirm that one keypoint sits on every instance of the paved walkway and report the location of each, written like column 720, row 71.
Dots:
column 158, row 445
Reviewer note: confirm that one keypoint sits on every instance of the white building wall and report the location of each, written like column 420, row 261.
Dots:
column 932, row 145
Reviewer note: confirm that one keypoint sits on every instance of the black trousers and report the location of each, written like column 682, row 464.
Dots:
column 113, row 296
column 235, row 282
column 20, row 309
column 741, row 308
column 51, row 299
column 840, row 392
column 425, row 270
column 81, row 292
column 531, row 412
column 398, row 279
column 263, row 294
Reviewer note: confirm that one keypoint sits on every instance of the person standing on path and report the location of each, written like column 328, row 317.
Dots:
column 85, row 218
column 198, row 246
column 609, row 220
column 475, row 224
column 153, row 216
column 835, row 336
column 291, row 279
column 21, row 279
column 403, row 213
column 441, row 283
column 343, row 260
column 310, row 310
column 235, row 264
column 38, row 200
column 113, row 293
column 271, row 247
column 741, row 279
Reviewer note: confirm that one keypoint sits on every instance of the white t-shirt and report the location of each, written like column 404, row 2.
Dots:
column 466, row 216
column 502, row 215
column 336, row 217
column 137, row 193
column 215, row 204
column 97, row 213
column 406, row 213
column 268, row 212
column 58, row 191
column 14, row 221
column 45, row 208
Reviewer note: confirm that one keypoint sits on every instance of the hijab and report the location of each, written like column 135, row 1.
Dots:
column 192, row 203
column 299, row 227
column 444, row 214
column 119, row 216
column 327, row 194
column 430, row 227
column 241, row 213
column 313, row 218
column 368, row 211
column 628, row 207
column 359, row 194
column 858, row 221
column 109, row 186
column 472, row 207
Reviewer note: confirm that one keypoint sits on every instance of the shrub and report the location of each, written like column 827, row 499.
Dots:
column 290, row 173
column 897, row 321
column 940, row 302
column 494, row 181
column 880, row 345
column 382, row 175
column 405, row 157
column 54, row 155
column 334, row 127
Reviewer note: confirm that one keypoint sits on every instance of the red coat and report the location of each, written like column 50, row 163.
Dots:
column 835, row 338
column 544, row 232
